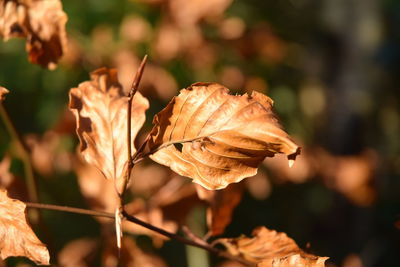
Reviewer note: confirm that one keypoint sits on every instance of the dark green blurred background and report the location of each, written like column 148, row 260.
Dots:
column 332, row 68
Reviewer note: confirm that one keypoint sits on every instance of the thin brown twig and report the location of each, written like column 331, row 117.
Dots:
column 132, row 92
column 193, row 236
column 186, row 241
column 70, row 209
column 133, row 219
column 25, row 157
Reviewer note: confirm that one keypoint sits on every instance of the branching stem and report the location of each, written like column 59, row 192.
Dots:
column 131, row 95
column 133, row 219
column 69, row 209
column 24, row 156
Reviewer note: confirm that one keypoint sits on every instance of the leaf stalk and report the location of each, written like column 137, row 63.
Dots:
column 131, row 95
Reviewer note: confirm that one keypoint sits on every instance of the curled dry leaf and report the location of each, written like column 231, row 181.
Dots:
column 100, row 109
column 17, row 237
column 224, row 137
column 41, row 22
column 221, row 206
column 269, row 248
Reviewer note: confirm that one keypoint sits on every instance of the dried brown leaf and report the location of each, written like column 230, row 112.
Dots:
column 224, row 137
column 269, row 248
column 100, row 108
column 17, row 237
column 41, row 22
column 222, row 204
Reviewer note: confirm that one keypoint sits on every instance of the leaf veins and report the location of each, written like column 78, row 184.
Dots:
column 224, row 137
column 17, row 237
column 100, row 110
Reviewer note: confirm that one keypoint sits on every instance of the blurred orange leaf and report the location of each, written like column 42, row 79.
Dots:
column 41, row 22
column 168, row 207
column 78, row 253
column 17, row 237
column 100, row 109
column 222, row 204
column 99, row 193
column 269, row 248
column 224, row 137
column 191, row 12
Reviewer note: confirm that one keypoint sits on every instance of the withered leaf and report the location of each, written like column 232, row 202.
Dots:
column 269, row 248
column 41, row 22
column 17, row 237
column 100, row 109
column 224, row 137
column 221, row 206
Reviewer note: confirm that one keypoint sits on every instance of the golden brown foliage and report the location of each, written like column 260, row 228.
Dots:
column 221, row 206
column 100, row 109
column 269, row 248
column 17, row 237
column 224, row 137
column 41, row 22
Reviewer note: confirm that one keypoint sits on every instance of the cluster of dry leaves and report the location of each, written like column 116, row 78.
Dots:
column 204, row 133
column 42, row 23
column 224, row 138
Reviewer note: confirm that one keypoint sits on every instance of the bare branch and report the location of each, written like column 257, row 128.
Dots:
column 132, row 92
column 133, row 219
column 25, row 157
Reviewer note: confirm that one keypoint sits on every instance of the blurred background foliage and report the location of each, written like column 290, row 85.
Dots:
column 332, row 68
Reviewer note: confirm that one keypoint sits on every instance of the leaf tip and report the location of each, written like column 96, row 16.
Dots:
column 292, row 157
column 291, row 162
